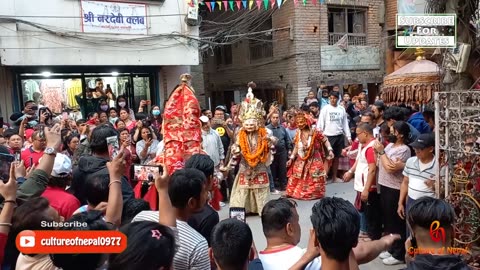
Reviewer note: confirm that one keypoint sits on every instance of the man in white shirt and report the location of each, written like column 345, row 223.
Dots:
column 188, row 193
column 419, row 173
column 212, row 143
column 333, row 122
column 280, row 222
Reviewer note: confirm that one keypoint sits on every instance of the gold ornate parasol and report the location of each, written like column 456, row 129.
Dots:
column 414, row 83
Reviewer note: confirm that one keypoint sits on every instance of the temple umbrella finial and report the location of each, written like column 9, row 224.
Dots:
column 420, row 53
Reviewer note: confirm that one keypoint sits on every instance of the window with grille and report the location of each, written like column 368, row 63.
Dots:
column 223, row 55
column 261, row 45
column 347, row 21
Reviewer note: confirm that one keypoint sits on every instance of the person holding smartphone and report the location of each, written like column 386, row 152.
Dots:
column 147, row 147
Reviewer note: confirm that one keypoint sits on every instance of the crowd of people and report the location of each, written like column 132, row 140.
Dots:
column 58, row 169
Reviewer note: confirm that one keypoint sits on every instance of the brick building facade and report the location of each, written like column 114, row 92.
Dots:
column 302, row 54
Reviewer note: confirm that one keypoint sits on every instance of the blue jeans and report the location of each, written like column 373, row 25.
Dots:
column 409, row 202
column 270, row 179
column 363, row 222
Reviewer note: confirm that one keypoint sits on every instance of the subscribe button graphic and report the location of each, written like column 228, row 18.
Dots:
column 48, row 242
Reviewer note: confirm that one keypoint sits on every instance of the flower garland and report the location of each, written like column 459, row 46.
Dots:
column 310, row 147
column 260, row 154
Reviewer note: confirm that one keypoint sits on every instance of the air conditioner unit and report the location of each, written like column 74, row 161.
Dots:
column 457, row 58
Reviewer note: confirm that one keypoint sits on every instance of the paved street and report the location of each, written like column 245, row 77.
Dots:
column 304, row 210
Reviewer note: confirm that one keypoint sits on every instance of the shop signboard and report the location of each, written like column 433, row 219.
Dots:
column 114, row 17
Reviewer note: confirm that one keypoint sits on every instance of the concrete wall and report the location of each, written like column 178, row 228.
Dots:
column 169, row 77
column 6, row 94
column 27, row 45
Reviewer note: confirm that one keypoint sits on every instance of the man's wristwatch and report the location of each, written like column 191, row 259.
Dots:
column 50, row 151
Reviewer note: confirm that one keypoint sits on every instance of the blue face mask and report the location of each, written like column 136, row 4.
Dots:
column 113, row 120
column 156, row 112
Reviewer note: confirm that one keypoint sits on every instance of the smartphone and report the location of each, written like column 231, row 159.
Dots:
column 238, row 213
column 113, row 146
column 30, row 159
column 146, row 173
column 1, row 122
column 5, row 162
column 18, row 157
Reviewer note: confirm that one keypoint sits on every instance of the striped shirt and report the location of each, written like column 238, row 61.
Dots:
column 192, row 252
column 417, row 177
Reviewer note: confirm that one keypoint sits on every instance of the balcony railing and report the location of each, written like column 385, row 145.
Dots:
column 353, row 39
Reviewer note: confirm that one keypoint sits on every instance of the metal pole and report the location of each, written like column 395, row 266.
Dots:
column 437, row 147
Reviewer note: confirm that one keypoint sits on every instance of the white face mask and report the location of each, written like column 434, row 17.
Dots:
column 122, row 104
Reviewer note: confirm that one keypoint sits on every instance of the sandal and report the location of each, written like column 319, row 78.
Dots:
column 363, row 235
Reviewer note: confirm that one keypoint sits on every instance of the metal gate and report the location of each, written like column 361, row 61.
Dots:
column 457, row 134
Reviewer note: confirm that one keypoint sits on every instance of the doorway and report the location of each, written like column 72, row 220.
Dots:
column 59, row 91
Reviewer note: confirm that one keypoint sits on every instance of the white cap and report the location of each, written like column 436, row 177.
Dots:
column 204, row 119
column 62, row 166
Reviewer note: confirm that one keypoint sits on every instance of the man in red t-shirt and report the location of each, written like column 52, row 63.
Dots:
column 62, row 201
column 32, row 155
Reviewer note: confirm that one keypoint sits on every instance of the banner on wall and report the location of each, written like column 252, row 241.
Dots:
column 114, row 17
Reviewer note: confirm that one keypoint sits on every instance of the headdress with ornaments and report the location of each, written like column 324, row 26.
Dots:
column 308, row 118
column 251, row 108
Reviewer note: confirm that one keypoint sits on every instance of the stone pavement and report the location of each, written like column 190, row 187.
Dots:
column 343, row 190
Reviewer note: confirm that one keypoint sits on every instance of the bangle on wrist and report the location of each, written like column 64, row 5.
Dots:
column 381, row 153
column 350, row 172
column 6, row 224
column 330, row 149
column 10, row 201
column 115, row 181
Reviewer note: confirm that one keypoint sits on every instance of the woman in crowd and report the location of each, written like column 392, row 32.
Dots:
column 126, row 118
column 307, row 173
column 103, row 106
column 120, row 124
column 390, row 178
column 156, row 119
column 93, row 119
column 122, row 104
column 110, row 96
column 70, row 144
column 130, row 153
column 103, row 117
column 147, row 147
